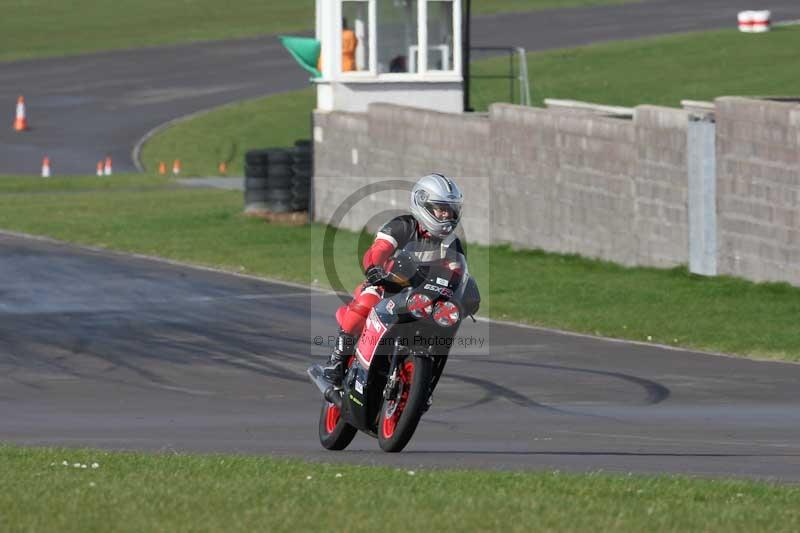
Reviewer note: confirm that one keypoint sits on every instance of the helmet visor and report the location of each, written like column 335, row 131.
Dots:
column 443, row 211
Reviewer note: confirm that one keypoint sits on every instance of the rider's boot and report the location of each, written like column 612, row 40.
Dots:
column 333, row 370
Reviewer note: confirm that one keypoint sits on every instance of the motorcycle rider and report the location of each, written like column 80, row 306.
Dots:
column 435, row 213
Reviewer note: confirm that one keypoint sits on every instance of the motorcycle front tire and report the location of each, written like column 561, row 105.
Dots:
column 395, row 432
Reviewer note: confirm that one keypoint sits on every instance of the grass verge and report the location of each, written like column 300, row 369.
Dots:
column 226, row 133
column 41, row 28
column 141, row 492
column 567, row 292
column 658, row 70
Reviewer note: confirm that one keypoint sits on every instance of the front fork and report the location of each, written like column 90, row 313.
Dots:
column 391, row 391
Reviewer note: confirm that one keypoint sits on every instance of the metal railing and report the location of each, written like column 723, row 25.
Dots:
column 518, row 80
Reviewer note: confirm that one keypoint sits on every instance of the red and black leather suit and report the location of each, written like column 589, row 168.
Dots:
column 393, row 235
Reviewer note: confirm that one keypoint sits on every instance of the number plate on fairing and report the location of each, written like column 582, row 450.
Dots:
column 370, row 339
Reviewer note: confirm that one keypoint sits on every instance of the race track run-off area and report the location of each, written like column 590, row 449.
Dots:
column 85, row 107
column 106, row 350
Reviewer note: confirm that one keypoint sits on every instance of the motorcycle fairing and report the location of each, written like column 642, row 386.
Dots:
column 355, row 404
column 371, row 337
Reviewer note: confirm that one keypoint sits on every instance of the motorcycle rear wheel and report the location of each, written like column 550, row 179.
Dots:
column 334, row 433
column 395, row 430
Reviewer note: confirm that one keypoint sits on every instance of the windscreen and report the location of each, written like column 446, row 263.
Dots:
column 439, row 264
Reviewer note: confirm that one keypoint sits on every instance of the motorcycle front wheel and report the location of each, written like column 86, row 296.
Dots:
column 399, row 418
column 334, row 432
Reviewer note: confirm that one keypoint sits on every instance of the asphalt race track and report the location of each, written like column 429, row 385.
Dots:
column 105, row 350
column 82, row 108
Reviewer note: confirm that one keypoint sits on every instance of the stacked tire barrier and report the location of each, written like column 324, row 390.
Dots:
column 301, row 180
column 278, row 180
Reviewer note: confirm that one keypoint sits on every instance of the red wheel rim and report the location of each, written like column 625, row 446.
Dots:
column 331, row 418
column 406, row 373
column 333, row 414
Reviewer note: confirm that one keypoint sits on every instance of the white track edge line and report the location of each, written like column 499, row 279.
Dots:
column 137, row 148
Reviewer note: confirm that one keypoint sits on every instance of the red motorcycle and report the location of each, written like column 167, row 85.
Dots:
column 401, row 353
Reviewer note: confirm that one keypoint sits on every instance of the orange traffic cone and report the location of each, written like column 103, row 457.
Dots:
column 46, row 167
column 107, row 166
column 20, row 122
column 223, row 169
column 162, row 168
column 176, row 167
column 100, row 168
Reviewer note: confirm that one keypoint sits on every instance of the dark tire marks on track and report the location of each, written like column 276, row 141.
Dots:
column 101, row 349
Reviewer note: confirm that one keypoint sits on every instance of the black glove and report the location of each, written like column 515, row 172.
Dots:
column 375, row 275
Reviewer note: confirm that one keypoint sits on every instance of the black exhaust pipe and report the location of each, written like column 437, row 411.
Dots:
column 333, row 396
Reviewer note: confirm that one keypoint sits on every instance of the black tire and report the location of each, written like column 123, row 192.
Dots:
column 303, row 169
column 281, row 182
column 278, row 195
column 301, row 154
column 280, row 206
column 299, row 204
column 334, row 433
column 256, row 157
column 395, row 432
column 256, row 184
column 268, row 183
column 266, row 206
column 279, row 171
column 303, row 143
column 300, row 186
column 255, row 196
column 278, row 156
column 255, row 171
column 301, row 176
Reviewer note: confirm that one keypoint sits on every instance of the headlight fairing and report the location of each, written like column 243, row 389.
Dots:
column 420, row 305
column 446, row 314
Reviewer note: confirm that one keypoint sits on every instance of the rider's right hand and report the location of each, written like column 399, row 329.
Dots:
column 375, row 275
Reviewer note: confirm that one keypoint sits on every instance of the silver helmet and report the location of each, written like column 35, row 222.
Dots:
column 436, row 204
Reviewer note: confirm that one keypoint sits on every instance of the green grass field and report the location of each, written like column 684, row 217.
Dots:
column 41, row 28
column 665, row 70
column 567, row 292
column 659, row 70
column 201, row 143
column 141, row 492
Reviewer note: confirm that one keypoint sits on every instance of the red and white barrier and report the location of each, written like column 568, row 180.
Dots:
column 754, row 21
column 761, row 21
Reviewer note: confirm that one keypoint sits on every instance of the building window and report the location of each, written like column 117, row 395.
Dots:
column 355, row 36
column 397, row 35
column 440, row 35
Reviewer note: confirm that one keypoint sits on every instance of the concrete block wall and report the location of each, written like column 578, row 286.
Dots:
column 536, row 178
column 568, row 188
column 398, row 142
column 661, row 188
column 758, row 189
column 580, row 182
column 340, row 155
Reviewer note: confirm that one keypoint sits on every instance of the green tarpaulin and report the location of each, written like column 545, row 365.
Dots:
column 305, row 50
